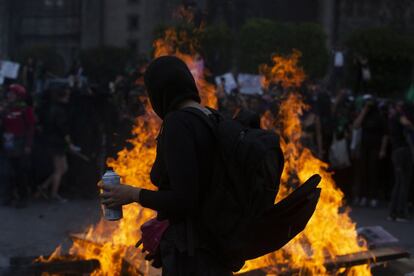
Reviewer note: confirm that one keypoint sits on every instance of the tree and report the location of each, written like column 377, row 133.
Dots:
column 260, row 38
column 310, row 39
column 103, row 64
column 217, row 44
column 213, row 43
column 390, row 56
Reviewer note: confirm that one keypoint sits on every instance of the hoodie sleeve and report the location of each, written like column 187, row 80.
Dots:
column 179, row 153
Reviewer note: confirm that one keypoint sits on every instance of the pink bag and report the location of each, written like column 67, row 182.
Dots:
column 152, row 232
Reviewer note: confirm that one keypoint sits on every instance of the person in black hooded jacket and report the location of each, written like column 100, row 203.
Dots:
column 182, row 171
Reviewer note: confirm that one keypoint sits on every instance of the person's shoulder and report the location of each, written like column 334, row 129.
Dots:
column 177, row 118
column 181, row 115
column 182, row 119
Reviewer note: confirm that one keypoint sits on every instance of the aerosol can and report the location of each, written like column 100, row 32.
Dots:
column 111, row 178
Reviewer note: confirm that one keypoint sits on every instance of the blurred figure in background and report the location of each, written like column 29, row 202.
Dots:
column 86, row 127
column 326, row 117
column 311, row 132
column 18, row 122
column 29, row 71
column 311, row 123
column 40, row 76
column 363, row 74
column 342, row 119
column 399, row 125
column 372, row 149
column 56, row 130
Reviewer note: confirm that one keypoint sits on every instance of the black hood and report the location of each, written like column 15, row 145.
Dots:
column 169, row 82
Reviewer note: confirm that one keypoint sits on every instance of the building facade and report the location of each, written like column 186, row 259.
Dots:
column 71, row 25
column 55, row 24
column 131, row 23
column 4, row 29
column 357, row 14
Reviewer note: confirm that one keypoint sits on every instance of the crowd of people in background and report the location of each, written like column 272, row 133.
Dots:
column 57, row 133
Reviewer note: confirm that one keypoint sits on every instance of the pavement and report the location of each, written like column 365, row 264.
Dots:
column 404, row 232
column 41, row 227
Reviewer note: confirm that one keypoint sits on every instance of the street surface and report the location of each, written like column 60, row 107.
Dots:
column 38, row 229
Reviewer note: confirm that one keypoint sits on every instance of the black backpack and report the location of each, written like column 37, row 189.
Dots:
column 238, row 210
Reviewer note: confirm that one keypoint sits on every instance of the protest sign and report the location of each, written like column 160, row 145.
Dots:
column 229, row 82
column 9, row 69
column 250, row 84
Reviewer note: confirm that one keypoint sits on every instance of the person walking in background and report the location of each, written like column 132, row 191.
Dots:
column 363, row 74
column 402, row 161
column 40, row 76
column 29, row 71
column 372, row 149
column 311, row 125
column 18, row 123
column 56, row 131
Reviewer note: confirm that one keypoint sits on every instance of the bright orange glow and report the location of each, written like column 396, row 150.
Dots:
column 284, row 71
column 111, row 242
column 330, row 232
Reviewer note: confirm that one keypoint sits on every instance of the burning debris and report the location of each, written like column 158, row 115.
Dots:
column 115, row 241
column 330, row 232
column 325, row 244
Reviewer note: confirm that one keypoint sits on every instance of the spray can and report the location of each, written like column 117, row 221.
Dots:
column 111, row 178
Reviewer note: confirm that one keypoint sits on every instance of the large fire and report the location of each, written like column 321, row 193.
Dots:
column 329, row 233
column 113, row 242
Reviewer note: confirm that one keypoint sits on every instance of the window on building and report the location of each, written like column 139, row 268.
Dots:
column 133, row 22
column 48, row 3
column 60, row 3
column 54, row 3
column 133, row 45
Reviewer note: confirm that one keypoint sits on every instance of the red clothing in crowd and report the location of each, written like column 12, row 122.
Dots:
column 20, row 122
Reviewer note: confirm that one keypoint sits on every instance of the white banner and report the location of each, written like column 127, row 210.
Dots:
column 250, row 84
column 229, row 82
column 9, row 69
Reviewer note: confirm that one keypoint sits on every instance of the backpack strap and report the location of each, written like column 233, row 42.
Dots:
column 210, row 117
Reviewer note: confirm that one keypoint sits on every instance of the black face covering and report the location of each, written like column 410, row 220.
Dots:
column 169, row 82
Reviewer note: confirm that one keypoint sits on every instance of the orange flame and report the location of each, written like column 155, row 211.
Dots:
column 184, row 14
column 285, row 71
column 330, row 232
column 113, row 242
